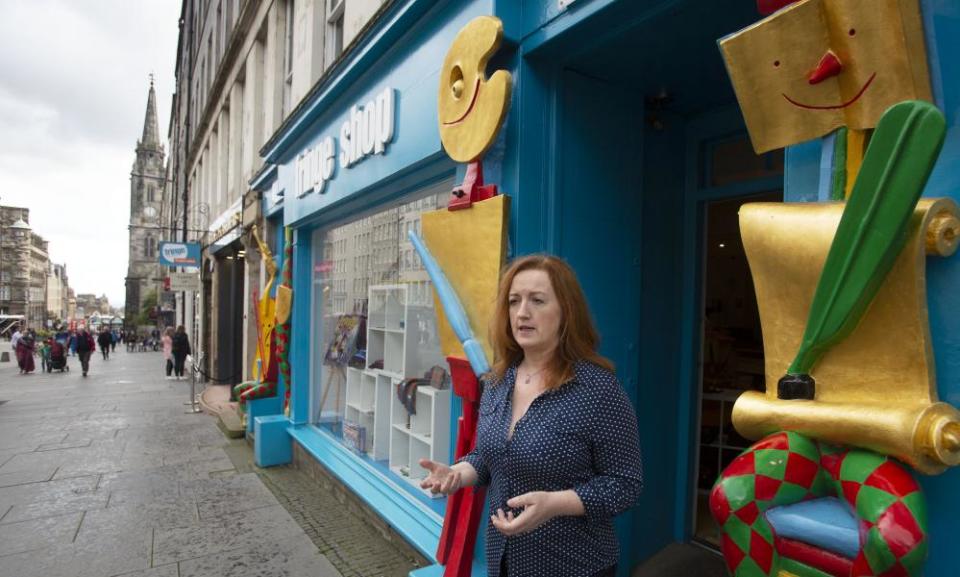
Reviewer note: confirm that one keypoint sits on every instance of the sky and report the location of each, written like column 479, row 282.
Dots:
column 74, row 77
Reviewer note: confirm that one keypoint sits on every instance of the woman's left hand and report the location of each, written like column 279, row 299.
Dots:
column 538, row 507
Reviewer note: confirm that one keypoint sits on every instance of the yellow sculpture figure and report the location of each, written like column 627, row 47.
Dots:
column 468, row 242
column 267, row 313
column 817, row 65
column 470, row 106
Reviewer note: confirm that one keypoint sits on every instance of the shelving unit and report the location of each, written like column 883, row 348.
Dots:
column 424, row 435
column 403, row 337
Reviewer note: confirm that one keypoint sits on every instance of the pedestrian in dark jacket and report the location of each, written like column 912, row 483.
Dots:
column 181, row 348
column 104, row 339
column 85, row 348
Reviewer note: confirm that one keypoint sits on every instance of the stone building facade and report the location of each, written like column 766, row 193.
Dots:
column 24, row 263
column 243, row 66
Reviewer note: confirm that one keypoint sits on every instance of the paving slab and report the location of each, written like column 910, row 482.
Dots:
column 107, row 476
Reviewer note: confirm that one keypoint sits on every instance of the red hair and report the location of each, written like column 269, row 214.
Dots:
column 578, row 338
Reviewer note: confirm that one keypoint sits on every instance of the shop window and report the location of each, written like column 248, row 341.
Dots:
column 733, row 160
column 376, row 346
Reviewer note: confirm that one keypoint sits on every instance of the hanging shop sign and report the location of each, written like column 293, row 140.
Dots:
column 179, row 254
column 182, row 281
column 367, row 131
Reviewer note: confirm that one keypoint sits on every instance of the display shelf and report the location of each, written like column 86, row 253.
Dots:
column 368, row 394
column 402, row 342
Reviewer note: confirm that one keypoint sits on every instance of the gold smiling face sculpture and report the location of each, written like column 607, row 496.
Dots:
column 471, row 107
column 817, row 65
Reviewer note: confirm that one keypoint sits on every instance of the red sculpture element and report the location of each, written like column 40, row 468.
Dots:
column 472, row 189
column 828, row 67
column 770, row 6
column 786, row 468
column 462, row 520
column 820, row 559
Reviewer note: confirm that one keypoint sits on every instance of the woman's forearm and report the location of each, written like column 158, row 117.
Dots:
column 567, row 503
column 468, row 475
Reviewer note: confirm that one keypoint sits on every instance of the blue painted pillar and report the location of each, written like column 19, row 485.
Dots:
column 300, row 331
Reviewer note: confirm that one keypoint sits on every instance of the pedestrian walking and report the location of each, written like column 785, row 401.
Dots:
column 14, row 340
column 84, row 346
column 180, row 349
column 45, row 348
column 25, row 348
column 557, row 439
column 73, row 342
column 114, row 337
column 168, row 350
column 104, row 339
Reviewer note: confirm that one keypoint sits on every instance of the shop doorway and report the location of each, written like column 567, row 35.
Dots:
column 230, row 307
column 731, row 342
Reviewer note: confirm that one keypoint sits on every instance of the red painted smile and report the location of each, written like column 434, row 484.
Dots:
column 476, row 92
column 836, row 106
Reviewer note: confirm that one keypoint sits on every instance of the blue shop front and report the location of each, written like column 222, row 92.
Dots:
column 626, row 153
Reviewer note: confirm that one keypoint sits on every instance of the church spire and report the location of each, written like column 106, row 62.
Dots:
column 151, row 139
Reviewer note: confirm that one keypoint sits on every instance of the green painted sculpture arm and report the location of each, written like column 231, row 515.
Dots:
column 872, row 232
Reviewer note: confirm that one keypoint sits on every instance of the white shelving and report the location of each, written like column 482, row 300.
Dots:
column 403, row 337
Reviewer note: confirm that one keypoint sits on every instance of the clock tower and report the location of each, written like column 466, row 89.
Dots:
column 147, row 191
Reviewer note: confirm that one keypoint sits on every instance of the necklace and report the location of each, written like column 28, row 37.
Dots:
column 526, row 381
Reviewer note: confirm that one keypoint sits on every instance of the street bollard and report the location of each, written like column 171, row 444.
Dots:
column 194, row 398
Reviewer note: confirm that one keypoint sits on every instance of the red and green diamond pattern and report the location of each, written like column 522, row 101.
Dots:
column 282, row 330
column 788, row 467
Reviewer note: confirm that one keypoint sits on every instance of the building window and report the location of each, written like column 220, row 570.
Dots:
column 150, row 193
column 289, row 11
column 4, row 293
column 335, row 16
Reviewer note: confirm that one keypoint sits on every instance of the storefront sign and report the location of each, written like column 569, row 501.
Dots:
column 184, row 281
column 179, row 254
column 368, row 130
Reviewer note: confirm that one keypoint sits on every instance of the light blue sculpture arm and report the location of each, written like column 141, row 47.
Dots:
column 451, row 305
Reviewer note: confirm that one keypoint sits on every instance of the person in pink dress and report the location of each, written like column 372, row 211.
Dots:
column 167, row 342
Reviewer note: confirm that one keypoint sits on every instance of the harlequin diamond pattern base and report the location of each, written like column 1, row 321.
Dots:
column 786, row 468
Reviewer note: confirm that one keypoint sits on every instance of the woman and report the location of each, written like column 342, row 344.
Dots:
column 557, row 437
column 168, row 350
column 25, row 347
column 180, row 348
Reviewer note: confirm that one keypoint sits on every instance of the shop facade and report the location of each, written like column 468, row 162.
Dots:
column 625, row 153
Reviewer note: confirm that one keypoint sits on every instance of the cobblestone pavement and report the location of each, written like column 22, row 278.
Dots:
column 350, row 541
column 106, row 476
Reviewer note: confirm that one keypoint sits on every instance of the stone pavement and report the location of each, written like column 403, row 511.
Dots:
column 106, row 476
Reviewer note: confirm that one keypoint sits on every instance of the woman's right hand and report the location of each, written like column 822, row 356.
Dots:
column 441, row 478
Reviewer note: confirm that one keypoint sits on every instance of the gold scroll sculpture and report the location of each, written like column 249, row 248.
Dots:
column 876, row 389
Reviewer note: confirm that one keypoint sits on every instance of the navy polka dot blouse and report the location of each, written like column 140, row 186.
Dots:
column 580, row 436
